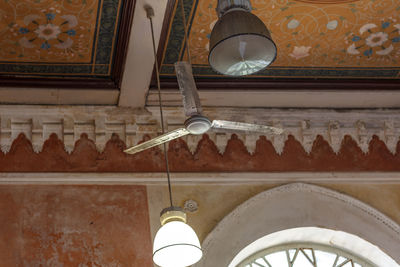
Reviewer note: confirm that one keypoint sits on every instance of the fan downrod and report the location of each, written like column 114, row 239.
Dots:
column 197, row 124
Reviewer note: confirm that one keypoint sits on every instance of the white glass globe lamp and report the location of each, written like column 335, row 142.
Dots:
column 176, row 244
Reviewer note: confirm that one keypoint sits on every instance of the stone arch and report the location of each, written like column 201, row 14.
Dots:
column 299, row 205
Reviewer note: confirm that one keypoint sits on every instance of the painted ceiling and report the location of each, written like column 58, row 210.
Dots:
column 58, row 37
column 318, row 39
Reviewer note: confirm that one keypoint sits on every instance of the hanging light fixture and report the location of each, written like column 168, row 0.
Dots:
column 176, row 243
column 240, row 43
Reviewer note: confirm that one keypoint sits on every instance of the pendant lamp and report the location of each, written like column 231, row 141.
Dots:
column 240, row 43
column 176, row 243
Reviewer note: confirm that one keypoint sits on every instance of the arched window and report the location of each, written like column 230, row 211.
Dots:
column 302, row 225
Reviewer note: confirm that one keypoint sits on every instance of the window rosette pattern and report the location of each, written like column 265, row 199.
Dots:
column 304, row 255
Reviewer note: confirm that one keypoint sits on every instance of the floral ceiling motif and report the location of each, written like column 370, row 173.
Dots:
column 376, row 40
column 342, row 39
column 57, row 36
column 50, row 32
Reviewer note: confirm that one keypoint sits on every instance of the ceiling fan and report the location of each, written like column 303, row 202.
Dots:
column 197, row 123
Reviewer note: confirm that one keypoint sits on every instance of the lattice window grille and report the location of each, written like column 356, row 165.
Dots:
column 304, row 255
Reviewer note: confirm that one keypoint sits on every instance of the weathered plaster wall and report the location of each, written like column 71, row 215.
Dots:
column 108, row 225
column 215, row 202
column 74, row 226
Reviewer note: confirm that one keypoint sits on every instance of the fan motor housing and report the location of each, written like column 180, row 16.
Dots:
column 197, row 124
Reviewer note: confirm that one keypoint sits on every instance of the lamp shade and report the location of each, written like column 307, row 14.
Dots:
column 176, row 245
column 240, row 44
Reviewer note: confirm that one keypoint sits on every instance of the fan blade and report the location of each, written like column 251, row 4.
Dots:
column 244, row 127
column 158, row 141
column 187, row 87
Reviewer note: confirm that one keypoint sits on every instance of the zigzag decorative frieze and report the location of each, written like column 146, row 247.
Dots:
column 99, row 123
column 86, row 158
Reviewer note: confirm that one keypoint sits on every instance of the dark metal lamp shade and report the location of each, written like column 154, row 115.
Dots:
column 240, row 44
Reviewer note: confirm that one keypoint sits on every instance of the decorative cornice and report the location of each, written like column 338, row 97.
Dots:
column 99, row 123
column 91, row 139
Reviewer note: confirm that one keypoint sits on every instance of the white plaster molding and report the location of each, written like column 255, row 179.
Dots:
column 221, row 140
column 334, row 135
column 99, row 123
column 250, row 142
column 58, row 96
column 196, row 178
column 293, row 206
column 288, row 98
column 192, row 142
column 308, row 135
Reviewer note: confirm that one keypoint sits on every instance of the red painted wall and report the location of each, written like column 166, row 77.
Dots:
column 85, row 157
column 74, row 226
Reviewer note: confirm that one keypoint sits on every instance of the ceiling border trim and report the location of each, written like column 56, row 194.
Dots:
column 300, row 84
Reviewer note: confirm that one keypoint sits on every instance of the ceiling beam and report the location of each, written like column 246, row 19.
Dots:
column 140, row 58
column 58, row 96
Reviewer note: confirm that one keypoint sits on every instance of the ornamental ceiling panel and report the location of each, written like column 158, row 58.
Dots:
column 315, row 39
column 60, row 38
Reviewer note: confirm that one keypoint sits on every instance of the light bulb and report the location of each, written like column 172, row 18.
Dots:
column 240, row 44
column 243, row 55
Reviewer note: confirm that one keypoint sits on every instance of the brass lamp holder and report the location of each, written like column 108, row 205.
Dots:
column 172, row 214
